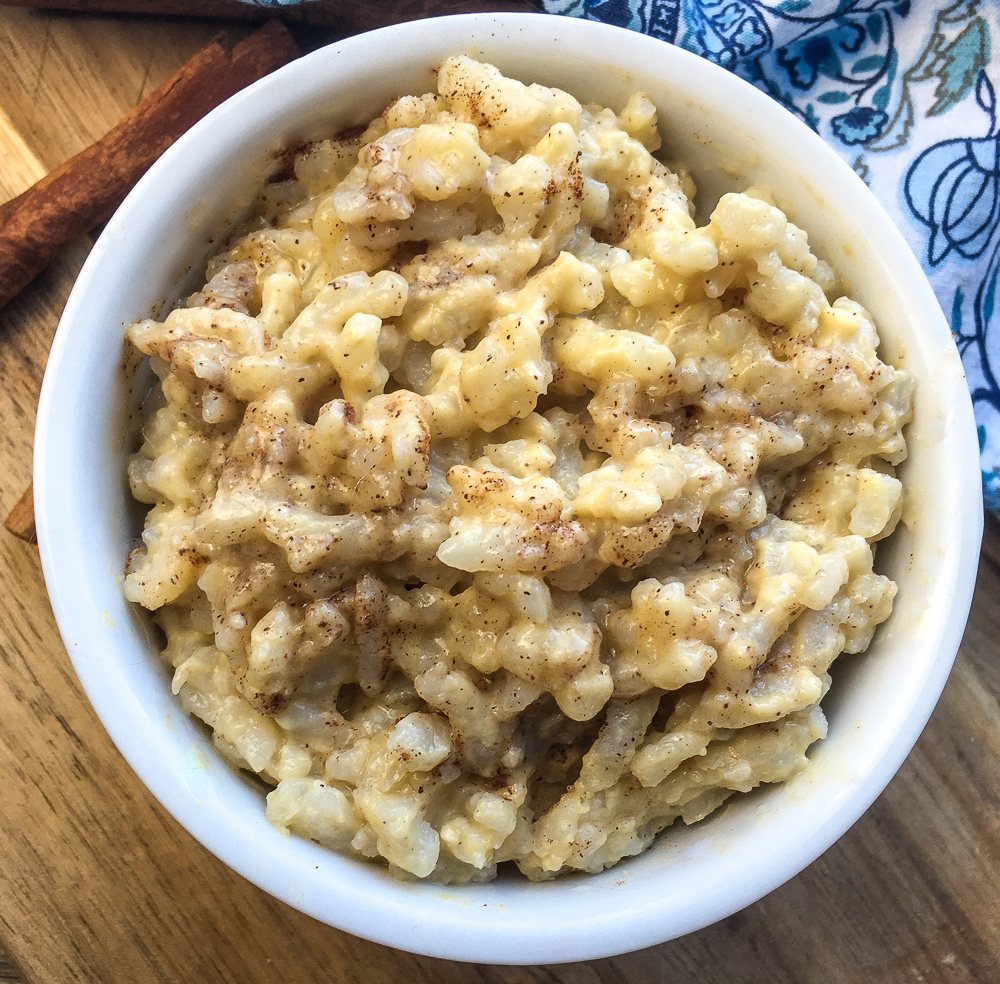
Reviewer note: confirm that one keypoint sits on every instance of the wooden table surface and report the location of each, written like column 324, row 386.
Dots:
column 98, row 884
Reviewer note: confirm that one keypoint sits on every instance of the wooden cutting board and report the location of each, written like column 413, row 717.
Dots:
column 98, row 884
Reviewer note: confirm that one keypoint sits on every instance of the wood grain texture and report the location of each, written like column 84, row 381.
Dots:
column 19, row 168
column 8, row 975
column 99, row 885
column 85, row 190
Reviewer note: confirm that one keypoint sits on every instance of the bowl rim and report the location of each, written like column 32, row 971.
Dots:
column 438, row 920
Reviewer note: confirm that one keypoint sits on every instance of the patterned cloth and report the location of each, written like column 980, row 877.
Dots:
column 906, row 92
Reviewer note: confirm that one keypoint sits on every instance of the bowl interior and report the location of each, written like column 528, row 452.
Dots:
column 730, row 136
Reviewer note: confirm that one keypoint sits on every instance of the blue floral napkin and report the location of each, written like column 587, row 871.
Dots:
column 906, row 92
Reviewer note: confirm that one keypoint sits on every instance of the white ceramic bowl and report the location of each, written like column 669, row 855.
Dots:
column 731, row 136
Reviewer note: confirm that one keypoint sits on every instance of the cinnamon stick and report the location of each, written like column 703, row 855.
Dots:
column 21, row 521
column 87, row 189
column 348, row 15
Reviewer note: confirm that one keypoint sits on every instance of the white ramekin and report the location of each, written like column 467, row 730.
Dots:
column 731, row 136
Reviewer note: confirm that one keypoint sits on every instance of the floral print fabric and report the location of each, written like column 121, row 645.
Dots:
column 906, row 91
